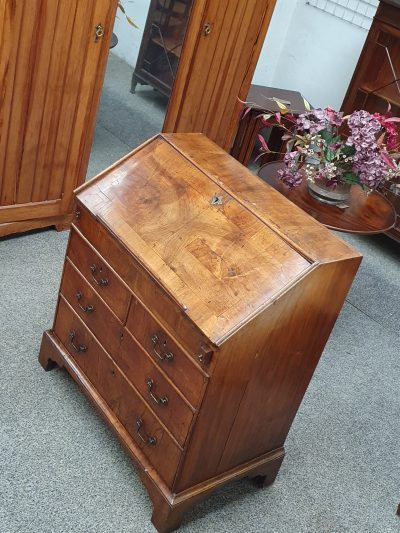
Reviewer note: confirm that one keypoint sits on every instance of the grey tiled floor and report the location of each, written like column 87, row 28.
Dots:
column 61, row 469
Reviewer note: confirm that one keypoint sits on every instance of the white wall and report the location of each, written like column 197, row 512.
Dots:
column 306, row 49
column 310, row 51
column 129, row 38
column 274, row 43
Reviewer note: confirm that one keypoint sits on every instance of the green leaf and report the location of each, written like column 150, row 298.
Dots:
column 350, row 177
column 348, row 150
column 129, row 20
column 329, row 154
column 326, row 136
column 283, row 108
column 307, row 104
column 290, row 145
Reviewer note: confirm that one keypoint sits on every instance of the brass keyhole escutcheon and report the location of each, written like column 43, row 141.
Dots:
column 99, row 32
column 207, row 29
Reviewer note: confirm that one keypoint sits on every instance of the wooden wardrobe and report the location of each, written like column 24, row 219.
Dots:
column 52, row 62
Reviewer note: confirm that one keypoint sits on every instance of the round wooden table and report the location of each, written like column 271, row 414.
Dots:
column 366, row 214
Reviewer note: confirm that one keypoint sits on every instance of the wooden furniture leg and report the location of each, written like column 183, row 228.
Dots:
column 167, row 518
column 49, row 358
column 268, row 475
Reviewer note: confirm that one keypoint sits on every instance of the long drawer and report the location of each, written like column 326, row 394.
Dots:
column 152, row 438
column 166, row 353
column 91, row 309
column 99, row 275
column 146, row 288
column 162, row 396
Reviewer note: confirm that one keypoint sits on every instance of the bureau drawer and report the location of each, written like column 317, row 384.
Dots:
column 154, row 441
column 146, row 288
column 91, row 309
column 77, row 339
column 166, row 353
column 157, row 390
column 100, row 276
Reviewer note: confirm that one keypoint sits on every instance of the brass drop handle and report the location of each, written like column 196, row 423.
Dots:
column 89, row 308
column 164, row 356
column 80, row 347
column 150, row 441
column 99, row 32
column 207, row 29
column 159, row 401
column 100, row 282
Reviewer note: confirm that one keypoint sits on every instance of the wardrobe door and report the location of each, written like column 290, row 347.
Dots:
column 52, row 61
column 222, row 45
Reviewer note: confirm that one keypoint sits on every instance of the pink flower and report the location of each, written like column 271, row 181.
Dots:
column 390, row 129
column 333, row 117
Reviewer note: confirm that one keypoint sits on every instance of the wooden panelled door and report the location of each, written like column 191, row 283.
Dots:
column 223, row 42
column 52, row 61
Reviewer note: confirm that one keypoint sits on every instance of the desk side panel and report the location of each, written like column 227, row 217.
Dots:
column 263, row 373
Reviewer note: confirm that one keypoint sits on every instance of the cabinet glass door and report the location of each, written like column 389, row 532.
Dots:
column 381, row 83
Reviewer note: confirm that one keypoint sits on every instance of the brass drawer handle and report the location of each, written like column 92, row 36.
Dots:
column 103, row 282
column 165, row 356
column 80, row 347
column 89, row 308
column 150, row 441
column 159, row 401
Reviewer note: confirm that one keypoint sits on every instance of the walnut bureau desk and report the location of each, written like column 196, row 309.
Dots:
column 195, row 303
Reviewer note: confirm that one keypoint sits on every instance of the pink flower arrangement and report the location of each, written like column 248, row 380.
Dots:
column 322, row 144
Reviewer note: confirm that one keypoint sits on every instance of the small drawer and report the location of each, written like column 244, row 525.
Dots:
column 91, row 308
column 166, row 353
column 154, row 441
column 99, row 274
column 146, row 288
column 155, row 388
column 77, row 339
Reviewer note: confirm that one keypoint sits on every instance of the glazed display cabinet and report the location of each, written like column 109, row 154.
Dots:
column 376, row 81
column 161, row 45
